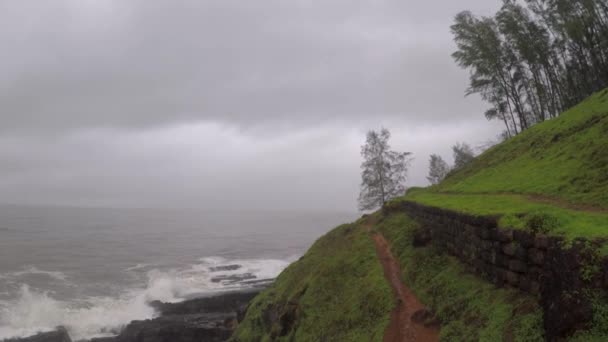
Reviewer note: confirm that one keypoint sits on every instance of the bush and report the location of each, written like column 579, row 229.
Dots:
column 541, row 222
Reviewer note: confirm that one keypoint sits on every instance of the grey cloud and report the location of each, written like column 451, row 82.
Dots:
column 131, row 64
column 222, row 103
column 185, row 166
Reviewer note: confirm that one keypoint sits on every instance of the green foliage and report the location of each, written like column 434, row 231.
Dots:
column 516, row 211
column 541, row 222
column 383, row 172
column 592, row 265
column 552, row 178
column 339, row 289
column 341, row 293
column 565, row 158
column 533, row 59
column 469, row 308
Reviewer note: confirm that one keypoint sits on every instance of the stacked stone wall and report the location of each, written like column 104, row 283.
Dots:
column 558, row 274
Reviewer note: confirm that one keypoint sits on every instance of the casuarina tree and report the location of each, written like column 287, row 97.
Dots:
column 384, row 172
column 438, row 169
column 463, row 154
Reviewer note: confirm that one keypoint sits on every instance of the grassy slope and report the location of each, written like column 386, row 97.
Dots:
column 566, row 158
column 339, row 287
column 515, row 209
column 559, row 168
column 343, row 296
column 470, row 309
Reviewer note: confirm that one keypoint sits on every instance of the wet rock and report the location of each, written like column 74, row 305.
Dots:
column 512, row 278
column 501, row 235
column 233, row 279
column 202, row 319
column 180, row 328
column 228, row 302
column 524, row 238
column 241, row 312
column 225, row 268
column 541, row 241
column 258, row 282
column 514, row 250
column 536, row 256
column 59, row 335
column 518, row 266
column 565, row 309
column 422, row 237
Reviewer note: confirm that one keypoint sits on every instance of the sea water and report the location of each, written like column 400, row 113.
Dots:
column 95, row 270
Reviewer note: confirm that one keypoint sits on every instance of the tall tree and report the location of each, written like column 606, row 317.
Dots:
column 438, row 169
column 535, row 58
column 463, row 154
column 384, row 172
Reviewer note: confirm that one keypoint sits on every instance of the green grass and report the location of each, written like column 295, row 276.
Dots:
column 557, row 169
column 565, row 158
column 469, row 308
column 340, row 291
column 337, row 291
column 515, row 211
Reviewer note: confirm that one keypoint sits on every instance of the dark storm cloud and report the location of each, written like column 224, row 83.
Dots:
column 222, row 103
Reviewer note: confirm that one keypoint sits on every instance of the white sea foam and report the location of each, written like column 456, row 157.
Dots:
column 138, row 267
column 33, row 270
column 33, row 311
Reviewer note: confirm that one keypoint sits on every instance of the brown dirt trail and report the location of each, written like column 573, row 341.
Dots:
column 402, row 328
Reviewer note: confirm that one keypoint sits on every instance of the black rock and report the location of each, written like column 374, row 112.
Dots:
column 233, row 279
column 228, row 302
column 180, row 328
column 203, row 319
column 225, row 268
column 258, row 282
column 422, row 237
column 59, row 335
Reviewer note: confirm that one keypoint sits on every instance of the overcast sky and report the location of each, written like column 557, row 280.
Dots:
column 221, row 103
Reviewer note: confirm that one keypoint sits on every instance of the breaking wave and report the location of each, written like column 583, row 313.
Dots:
column 35, row 310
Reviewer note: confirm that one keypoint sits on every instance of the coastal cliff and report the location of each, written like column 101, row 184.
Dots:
column 512, row 247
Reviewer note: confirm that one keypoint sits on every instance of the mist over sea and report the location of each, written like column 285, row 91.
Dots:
column 94, row 270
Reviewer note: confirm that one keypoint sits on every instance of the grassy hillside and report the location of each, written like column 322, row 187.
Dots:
column 336, row 292
column 552, row 178
column 469, row 308
column 565, row 158
column 555, row 173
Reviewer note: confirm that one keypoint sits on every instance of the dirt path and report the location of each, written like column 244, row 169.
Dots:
column 402, row 327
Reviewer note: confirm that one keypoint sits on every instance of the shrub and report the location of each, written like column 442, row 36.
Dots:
column 541, row 222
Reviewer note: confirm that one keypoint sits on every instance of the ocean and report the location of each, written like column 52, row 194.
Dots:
column 94, row 270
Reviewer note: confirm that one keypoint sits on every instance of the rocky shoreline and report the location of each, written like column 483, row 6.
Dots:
column 211, row 318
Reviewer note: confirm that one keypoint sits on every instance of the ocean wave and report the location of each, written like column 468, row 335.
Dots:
column 138, row 267
column 32, row 270
column 33, row 311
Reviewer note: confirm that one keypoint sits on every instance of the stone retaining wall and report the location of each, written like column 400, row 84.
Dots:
column 533, row 263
